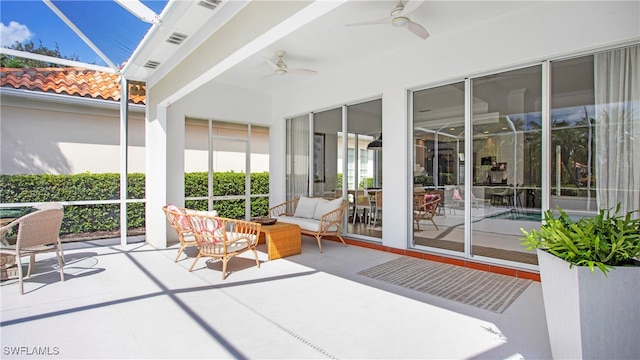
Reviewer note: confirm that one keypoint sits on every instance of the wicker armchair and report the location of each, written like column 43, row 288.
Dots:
column 325, row 224
column 222, row 238
column 425, row 209
column 38, row 232
column 180, row 223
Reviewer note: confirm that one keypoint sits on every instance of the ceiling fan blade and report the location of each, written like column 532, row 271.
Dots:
column 302, row 71
column 271, row 63
column 410, row 6
column 417, row 29
column 373, row 22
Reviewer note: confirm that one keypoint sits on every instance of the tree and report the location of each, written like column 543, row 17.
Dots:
column 18, row 62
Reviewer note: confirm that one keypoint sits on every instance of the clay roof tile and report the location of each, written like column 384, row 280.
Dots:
column 70, row 81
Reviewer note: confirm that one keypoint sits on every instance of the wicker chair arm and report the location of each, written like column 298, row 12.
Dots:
column 287, row 208
column 332, row 217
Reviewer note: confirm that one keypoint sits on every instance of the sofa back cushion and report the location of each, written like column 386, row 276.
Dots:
column 324, row 206
column 306, row 207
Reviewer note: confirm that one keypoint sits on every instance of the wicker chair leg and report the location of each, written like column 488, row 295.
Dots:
column 61, row 251
column 319, row 243
column 255, row 253
column 179, row 252
column 434, row 224
column 20, row 274
column 195, row 261
column 32, row 261
column 60, row 264
column 341, row 239
column 224, row 268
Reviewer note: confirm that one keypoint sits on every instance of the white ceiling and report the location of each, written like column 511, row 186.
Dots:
column 325, row 44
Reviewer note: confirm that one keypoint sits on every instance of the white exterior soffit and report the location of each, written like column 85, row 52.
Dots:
column 299, row 19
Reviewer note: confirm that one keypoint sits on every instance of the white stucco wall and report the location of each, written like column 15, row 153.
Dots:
column 529, row 35
column 546, row 30
column 58, row 137
column 49, row 137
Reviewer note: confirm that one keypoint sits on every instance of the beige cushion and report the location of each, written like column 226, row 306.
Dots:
column 324, row 206
column 306, row 207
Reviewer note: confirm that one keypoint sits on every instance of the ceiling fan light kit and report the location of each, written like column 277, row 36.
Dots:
column 399, row 21
column 280, row 68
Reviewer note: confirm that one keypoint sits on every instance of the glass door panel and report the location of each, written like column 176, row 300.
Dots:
column 573, row 136
column 297, row 157
column 506, row 162
column 438, row 168
column 327, row 153
column 364, row 168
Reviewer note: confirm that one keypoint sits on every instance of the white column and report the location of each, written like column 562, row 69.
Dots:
column 156, row 178
column 397, row 153
column 124, row 146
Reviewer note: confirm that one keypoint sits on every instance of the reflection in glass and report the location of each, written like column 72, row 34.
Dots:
column 364, row 168
column 438, row 167
column 506, row 162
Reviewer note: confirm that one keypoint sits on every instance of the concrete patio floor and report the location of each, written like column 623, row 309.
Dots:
column 134, row 302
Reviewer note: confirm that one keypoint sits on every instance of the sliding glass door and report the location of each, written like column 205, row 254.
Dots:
column 438, row 168
column 340, row 155
column 506, row 124
column 561, row 134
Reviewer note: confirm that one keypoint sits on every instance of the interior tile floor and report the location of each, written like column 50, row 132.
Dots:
column 134, row 302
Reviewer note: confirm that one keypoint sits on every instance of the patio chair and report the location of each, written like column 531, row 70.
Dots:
column 441, row 205
column 180, row 223
column 52, row 205
column 377, row 208
column 361, row 202
column 222, row 238
column 38, row 232
column 424, row 208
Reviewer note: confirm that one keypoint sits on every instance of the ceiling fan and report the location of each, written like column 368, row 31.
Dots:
column 280, row 67
column 398, row 18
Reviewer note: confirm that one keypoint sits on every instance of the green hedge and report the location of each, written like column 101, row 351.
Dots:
column 92, row 218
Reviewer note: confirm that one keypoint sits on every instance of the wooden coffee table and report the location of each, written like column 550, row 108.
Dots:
column 282, row 239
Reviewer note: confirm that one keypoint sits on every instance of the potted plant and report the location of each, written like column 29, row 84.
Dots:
column 590, row 313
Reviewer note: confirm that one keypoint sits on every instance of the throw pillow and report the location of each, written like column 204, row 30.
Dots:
column 306, row 207
column 182, row 220
column 324, row 206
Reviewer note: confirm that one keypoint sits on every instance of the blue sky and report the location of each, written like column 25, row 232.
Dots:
column 114, row 30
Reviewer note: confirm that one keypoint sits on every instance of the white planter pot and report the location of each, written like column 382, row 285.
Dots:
column 590, row 316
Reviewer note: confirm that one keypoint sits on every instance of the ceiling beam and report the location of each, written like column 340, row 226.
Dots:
column 78, row 32
column 140, row 10
column 55, row 60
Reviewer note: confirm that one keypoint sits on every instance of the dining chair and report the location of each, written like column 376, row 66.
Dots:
column 425, row 209
column 361, row 202
column 442, row 204
column 50, row 205
column 38, row 232
column 377, row 208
